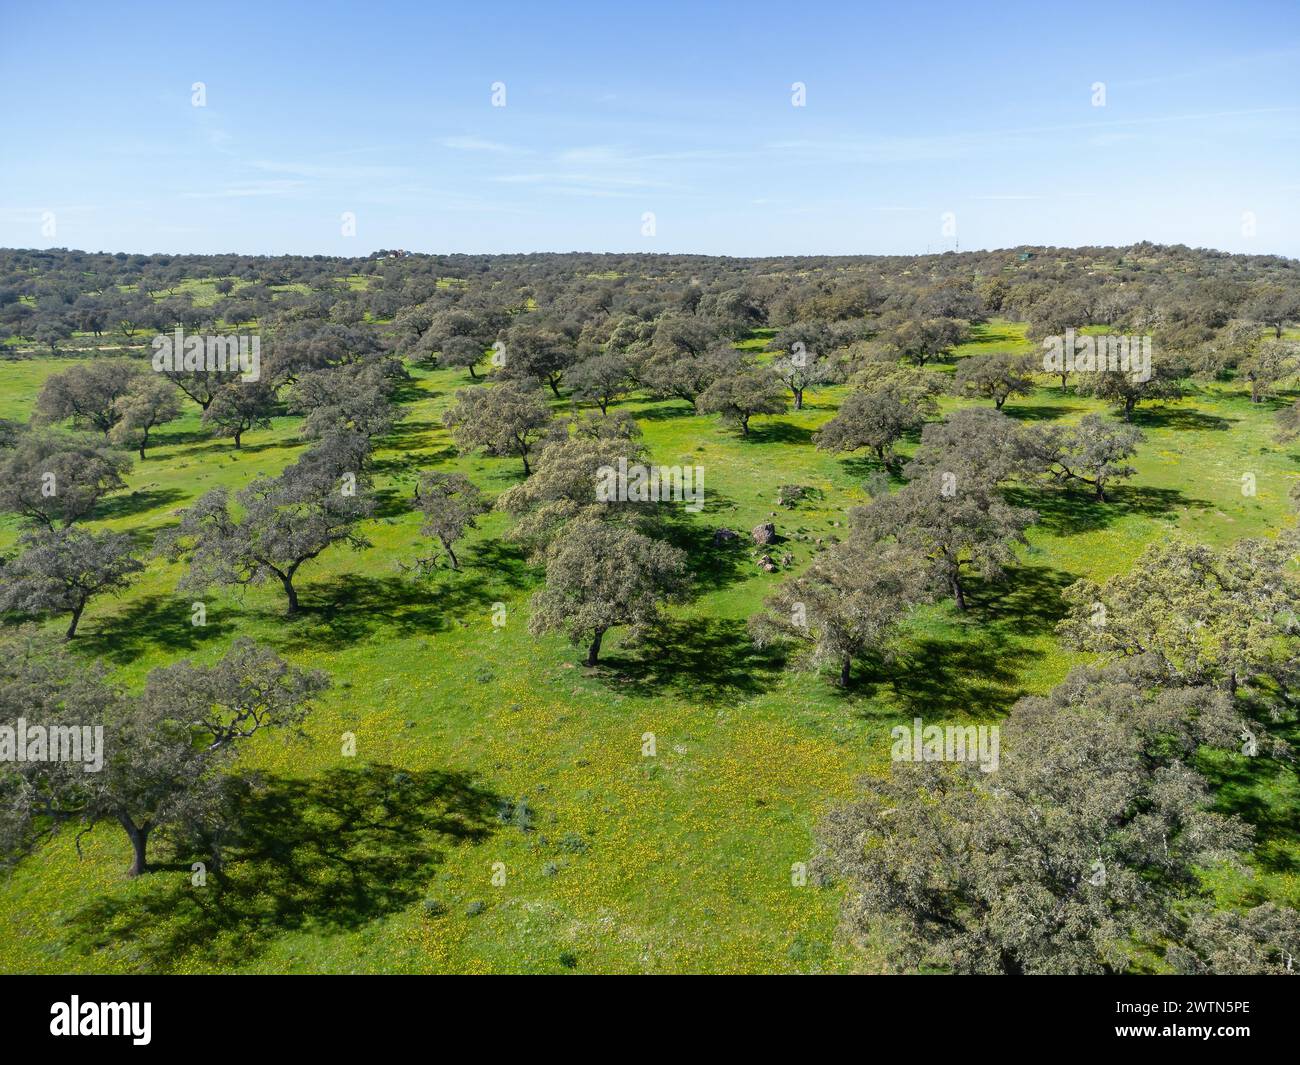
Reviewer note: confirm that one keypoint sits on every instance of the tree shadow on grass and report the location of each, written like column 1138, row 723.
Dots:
column 778, row 433
column 1067, row 510
column 130, row 504
column 987, row 334
column 1262, row 792
column 327, row 855
column 406, row 464
column 175, row 438
column 409, row 391
column 504, row 560
column 1180, row 418
column 1150, row 502
column 711, row 565
column 1027, row 602
column 392, row 502
column 1062, row 511
column 975, row 668
column 709, row 659
column 225, row 447
column 663, row 411
column 974, row 675
column 351, row 607
column 409, row 435
column 1045, row 412
column 151, row 621
column 864, row 465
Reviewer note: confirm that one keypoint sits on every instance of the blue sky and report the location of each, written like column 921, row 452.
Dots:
column 913, row 111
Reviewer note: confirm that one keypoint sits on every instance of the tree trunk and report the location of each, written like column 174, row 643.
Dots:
column 290, row 592
column 744, row 425
column 472, row 375
column 594, row 650
column 238, row 434
column 958, row 594
column 798, row 398
column 845, row 666
column 446, row 546
column 76, row 617
column 139, row 837
column 554, row 386
column 528, row 470
column 1010, row 965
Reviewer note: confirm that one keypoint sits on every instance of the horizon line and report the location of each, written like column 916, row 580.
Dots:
column 675, row 254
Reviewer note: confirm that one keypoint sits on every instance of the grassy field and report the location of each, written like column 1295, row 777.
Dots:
column 508, row 757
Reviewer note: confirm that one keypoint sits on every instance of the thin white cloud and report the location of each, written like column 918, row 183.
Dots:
column 247, row 188
column 358, row 172
column 35, row 214
column 478, row 144
column 593, row 170
column 988, row 142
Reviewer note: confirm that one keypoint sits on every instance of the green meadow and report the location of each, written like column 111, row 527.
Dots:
column 499, row 813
